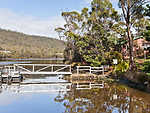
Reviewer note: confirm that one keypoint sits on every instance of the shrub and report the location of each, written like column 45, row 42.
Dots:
column 146, row 67
column 122, row 67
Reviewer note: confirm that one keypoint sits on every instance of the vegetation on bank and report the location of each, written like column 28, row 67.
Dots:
column 27, row 46
column 97, row 35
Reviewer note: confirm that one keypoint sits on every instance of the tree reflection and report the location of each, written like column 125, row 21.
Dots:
column 114, row 99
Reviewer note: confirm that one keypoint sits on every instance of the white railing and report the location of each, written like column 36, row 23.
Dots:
column 8, row 71
column 43, row 68
column 90, row 69
column 89, row 85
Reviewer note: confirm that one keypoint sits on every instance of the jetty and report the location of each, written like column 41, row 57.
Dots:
column 17, row 71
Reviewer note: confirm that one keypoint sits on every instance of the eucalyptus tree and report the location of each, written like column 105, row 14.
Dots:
column 147, row 10
column 71, row 32
column 146, row 33
column 132, row 10
column 100, row 23
column 89, row 33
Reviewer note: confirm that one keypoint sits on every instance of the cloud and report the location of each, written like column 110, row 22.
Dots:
column 29, row 24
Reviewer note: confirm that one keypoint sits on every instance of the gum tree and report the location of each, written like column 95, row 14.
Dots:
column 88, row 33
column 132, row 10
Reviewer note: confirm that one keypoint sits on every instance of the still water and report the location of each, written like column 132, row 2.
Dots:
column 51, row 94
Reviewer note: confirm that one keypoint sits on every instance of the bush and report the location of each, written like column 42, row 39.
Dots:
column 122, row 67
column 146, row 67
column 109, row 56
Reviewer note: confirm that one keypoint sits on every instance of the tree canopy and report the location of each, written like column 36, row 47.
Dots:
column 97, row 34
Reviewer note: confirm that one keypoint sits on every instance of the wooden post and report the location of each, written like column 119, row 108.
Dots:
column 90, row 70
column 70, row 68
column 77, row 70
column 77, row 85
column 8, row 70
column 90, row 85
column 103, row 69
column 33, row 68
column 52, row 68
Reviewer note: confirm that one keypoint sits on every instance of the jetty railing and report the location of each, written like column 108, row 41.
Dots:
column 43, row 69
column 91, row 69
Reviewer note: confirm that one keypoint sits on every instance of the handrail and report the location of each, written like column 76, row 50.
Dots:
column 41, row 64
column 43, row 68
column 90, row 69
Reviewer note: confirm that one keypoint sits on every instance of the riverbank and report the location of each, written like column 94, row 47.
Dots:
column 138, row 80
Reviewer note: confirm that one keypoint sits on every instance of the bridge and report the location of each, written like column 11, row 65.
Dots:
column 8, row 73
column 51, row 69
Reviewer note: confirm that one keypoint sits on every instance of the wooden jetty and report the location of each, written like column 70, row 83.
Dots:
column 9, row 73
column 16, row 71
column 92, row 70
column 51, row 69
column 89, row 73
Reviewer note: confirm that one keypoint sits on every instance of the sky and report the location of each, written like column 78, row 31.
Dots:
column 38, row 17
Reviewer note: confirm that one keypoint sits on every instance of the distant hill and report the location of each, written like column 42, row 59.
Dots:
column 26, row 46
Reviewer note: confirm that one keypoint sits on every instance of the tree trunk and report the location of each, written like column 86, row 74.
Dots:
column 131, row 53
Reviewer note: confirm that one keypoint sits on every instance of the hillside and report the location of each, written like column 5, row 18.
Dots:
column 24, row 46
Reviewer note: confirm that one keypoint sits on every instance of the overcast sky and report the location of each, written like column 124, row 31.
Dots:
column 37, row 17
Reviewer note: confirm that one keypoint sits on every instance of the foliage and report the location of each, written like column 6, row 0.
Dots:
column 109, row 56
column 146, row 67
column 95, row 34
column 89, row 34
column 132, row 11
column 122, row 67
column 147, row 10
column 146, row 33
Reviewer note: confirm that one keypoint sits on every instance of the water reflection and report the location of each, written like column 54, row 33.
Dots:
column 36, row 88
column 113, row 99
column 75, row 97
column 39, row 87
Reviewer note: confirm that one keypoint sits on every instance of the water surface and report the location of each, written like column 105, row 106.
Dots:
column 42, row 94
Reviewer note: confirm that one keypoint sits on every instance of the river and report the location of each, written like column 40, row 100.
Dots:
column 51, row 94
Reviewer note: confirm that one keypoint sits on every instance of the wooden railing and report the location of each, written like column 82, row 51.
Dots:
column 43, row 68
column 91, row 70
